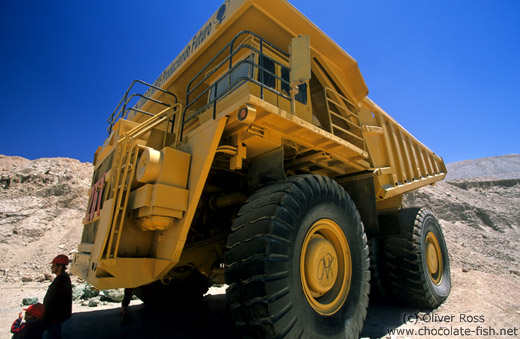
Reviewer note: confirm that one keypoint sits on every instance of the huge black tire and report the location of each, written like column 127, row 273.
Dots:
column 187, row 288
column 297, row 265
column 417, row 263
column 377, row 288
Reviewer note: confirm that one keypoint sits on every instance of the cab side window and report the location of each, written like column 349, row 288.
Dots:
column 241, row 71
column 267, row 71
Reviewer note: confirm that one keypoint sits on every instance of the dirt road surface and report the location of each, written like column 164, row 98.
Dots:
column 479, row 301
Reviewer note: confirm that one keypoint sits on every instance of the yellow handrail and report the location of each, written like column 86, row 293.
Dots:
column 125, row 160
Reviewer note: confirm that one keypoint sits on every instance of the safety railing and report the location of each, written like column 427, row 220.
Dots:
column 200, row 99
column 344, row 118
column 122, row 109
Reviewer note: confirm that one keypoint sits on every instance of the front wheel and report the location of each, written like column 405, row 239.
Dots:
column 298, row 262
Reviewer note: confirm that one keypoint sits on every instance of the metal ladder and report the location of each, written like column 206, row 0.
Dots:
column 125, row 160
column 344, row 122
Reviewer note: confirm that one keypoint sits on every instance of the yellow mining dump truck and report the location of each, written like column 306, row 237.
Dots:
column 256, row 159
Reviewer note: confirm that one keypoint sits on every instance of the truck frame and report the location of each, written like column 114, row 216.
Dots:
column 256, row 159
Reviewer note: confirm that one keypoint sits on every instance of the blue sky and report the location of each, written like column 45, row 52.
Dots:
column 448, row 71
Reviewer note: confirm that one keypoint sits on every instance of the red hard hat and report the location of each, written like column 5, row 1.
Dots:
column 36, row 310
column 61, row 260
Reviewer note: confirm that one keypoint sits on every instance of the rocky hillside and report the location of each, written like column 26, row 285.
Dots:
column 501, row 167
column 478, row 205
column 481, row 222
column 42, row 203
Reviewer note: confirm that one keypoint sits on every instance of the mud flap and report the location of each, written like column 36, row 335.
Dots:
column 266, row 168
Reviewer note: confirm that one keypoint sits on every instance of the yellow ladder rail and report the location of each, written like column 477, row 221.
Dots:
column 121, row 194
column 125, row 160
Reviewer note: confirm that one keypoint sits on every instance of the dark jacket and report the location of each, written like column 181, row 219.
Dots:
column 58, row 300
column 31, row 329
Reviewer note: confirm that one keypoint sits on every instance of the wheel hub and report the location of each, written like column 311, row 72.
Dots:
column 325, row 267
column 321, row 265
column 434, row 258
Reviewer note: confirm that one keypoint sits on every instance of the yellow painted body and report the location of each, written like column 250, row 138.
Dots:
column 157, row 175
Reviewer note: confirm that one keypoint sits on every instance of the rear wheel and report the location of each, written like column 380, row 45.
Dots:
column 417, row 262
column 298, row 263
column 377, row 286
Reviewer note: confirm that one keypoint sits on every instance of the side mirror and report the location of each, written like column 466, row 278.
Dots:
column 300, row 59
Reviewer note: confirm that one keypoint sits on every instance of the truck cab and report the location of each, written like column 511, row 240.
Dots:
column 249, row 65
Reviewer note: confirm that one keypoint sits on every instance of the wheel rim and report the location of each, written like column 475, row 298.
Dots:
column 325, row 267
column 434, row 258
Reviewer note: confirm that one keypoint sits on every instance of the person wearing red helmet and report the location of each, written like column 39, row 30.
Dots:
column 33, row 325
column 58, row 299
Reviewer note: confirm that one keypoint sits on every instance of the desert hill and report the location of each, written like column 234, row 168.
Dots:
column 501, row 167
column 479, row 205
column 42, row 203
